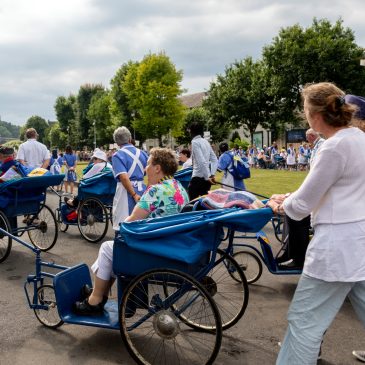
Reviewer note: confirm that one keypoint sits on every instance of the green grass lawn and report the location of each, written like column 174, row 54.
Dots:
column 264, row 182
column 268, row 182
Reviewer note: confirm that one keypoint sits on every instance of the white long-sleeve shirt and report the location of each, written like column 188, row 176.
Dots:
column 205, row 161
column 334, row 192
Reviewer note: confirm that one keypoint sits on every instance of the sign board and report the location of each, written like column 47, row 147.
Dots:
column 207, row 135
column 137, row 143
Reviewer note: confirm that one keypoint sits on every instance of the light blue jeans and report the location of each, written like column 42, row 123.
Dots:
column 313, row 308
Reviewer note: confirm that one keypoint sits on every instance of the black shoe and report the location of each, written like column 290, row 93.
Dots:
column 86, row 291
column 290, row 265
column 85, row 309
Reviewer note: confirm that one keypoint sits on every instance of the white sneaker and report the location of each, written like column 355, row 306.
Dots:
column 360, row 355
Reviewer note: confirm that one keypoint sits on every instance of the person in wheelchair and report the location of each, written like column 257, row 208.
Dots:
column 164, row 196
column 99, row 164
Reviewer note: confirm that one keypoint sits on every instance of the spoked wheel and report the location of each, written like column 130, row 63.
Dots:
column 43, row 229
column 250, row 264
column 150, row 325
column 63, row 227
column 48, row 317
column 5, row 241
column 92, row 220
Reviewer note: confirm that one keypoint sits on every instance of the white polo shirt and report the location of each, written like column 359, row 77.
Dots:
column 33, row 153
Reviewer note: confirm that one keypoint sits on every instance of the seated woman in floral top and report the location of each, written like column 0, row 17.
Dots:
column 164, row 196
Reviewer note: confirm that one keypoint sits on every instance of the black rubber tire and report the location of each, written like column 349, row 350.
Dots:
column 278, row 228
column 177, row 341
column 5, row 241
column 63, row 227
column 250, row 264
column 45, row 235
column 92, row 220
column 46, row 296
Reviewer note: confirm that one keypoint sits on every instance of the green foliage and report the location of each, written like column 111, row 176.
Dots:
column 84, row 124
column 15, row 143
column 322, row 52
column 39, row 124
column 9, row 130
column 240, row 97
column 152, row 89
column 65, row 111
column 121, row 114
column 239, row 142
column 99, row 112
column 57, row 138
column 235, row 135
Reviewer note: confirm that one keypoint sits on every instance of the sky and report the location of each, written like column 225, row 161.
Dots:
column 49, row 48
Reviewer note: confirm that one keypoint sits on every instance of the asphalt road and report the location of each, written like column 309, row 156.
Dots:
column 253, row 341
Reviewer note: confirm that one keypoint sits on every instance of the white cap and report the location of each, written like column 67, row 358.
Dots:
column 101, row 155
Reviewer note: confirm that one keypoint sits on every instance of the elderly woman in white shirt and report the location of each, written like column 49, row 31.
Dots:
column 334, row 193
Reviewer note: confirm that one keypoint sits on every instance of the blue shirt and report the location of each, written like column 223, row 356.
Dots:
column 69, row 159
column 224, row 163
column 122, row 162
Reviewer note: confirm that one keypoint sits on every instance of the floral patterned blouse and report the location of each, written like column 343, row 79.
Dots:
column 164, row 198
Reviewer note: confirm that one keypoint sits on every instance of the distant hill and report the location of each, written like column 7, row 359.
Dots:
column 8, row 130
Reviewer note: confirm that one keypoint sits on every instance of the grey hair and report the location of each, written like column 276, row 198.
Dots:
column 122, row 135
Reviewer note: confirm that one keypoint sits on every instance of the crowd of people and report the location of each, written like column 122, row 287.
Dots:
column 332, row 198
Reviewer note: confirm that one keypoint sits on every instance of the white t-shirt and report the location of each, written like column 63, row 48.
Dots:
column 33, row 153
column 334, row 192
column 187, row 163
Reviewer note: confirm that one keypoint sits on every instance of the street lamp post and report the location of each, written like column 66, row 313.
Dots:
column 362, row 60
column 94, row 135
column 68, row 134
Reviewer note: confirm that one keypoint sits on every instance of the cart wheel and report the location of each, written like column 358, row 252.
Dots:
column 63, row 227
column 48, row 317
column 153, row 333
column 231, row 296
column 43, row 229
column 92, row 220
column 250, row 264
column 5, row 241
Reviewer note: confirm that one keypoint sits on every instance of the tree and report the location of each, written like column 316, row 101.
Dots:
column 121, row 114
column 201, row 116
column 56, row 137
column 98, row 112
column 84, row 124
column 241, row 97
column 322, row 52
column 65, row 109
column 152, row 88
column 39, row 124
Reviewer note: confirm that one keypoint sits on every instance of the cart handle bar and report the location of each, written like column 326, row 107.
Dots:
column 239, row 189
column 34, row 249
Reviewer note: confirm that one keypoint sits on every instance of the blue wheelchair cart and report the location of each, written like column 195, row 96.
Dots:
column 164, row 288
column 247, row 255
column 95, row 209
column 26, row 198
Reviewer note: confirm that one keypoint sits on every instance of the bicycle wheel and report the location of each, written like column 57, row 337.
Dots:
column 92, row 220
column 250, row 264
column 48, row 317
column 230, row 295
column 43, row 229
column 63, row 227
column 152, row 332
column 5, row 241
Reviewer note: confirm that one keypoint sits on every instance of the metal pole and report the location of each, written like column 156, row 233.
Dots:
column 94, row 135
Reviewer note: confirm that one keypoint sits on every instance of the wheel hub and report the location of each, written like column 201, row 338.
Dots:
column 210, row 285
column 166, row 325
column 90, row 220
column 43, row 227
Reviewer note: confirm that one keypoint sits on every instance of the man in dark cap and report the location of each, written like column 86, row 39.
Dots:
column 6, row 159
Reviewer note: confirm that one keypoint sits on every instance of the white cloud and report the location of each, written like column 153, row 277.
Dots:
column 50, row 48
